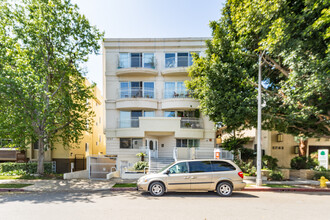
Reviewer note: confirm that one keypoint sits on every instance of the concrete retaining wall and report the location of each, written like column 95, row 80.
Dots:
column 83, row 174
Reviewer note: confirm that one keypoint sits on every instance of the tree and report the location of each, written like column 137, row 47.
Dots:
column 294, row 36
column 42, row 86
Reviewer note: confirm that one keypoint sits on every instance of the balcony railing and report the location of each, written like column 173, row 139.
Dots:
column 182, row 61
column 129, row 123
column 137, row 93
column 131, row 62
column 193, row 123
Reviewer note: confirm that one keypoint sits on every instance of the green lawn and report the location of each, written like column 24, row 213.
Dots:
column 124, row 185
column 14, row 185
column 27, row 177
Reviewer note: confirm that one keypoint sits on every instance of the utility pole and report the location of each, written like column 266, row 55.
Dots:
column 259, row 179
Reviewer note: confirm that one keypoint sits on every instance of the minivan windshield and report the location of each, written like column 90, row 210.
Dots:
column 166, row 167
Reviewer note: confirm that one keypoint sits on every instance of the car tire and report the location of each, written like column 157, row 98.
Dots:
column 157, row 189
column 224, row 189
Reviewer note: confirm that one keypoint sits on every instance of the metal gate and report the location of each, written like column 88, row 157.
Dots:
column 100, row 166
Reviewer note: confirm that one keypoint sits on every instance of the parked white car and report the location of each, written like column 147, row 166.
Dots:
column 222, row 176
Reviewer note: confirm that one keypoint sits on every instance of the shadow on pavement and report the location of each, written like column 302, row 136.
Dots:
column 51, row 197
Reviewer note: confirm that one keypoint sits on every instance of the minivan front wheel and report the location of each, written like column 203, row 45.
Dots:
column 157, row 189
column 224, row 189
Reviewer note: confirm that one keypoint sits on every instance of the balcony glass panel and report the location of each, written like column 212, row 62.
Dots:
column 169, row 90
column 123, row 60
column 169, row 114
column 148, row 90
column 149, row 60
column 149, row 114
column 136, row 59
column 182, row 59
column 170, row 60
column 194, row 123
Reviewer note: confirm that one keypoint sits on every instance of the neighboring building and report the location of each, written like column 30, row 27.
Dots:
column 147, row 105
column 91, row 144
column 282, row 146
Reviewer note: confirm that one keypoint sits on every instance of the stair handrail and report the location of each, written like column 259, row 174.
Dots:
column 175, row 156
column 149, row 157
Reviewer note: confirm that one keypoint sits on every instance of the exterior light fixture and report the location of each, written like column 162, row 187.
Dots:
column 279, row 137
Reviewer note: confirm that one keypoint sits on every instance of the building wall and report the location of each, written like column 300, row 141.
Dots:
column 165, row 130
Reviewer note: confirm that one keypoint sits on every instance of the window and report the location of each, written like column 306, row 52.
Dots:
column 182, row 59
column 137, row 89
column 149, row 114
column 36, row 145
column 169, row 114
column 222, row 166
column 130, row 143
column 179, row 168
column 130, row 119
column 86, row 147
column 127, row 60
column 187, row 142
column 200, row 166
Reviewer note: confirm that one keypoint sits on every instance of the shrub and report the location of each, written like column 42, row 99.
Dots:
column 275, row 175
column 247, row 154
column 303, row 163
column 247, row 168
column 140, row 165
column 319, row 174
column 270, row 162
column 29, row 168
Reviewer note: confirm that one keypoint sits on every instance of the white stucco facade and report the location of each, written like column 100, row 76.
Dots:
column 143, row 85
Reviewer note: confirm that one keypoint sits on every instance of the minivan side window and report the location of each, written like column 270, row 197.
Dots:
column 179, row 168
column 222, row 166
column 200, row 166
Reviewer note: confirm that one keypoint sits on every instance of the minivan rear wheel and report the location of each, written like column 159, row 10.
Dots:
column 224, row 189
column 157, row 189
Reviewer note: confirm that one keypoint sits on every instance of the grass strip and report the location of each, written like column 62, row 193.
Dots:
column 124, row 185
column 279, row 186
column 14, row 185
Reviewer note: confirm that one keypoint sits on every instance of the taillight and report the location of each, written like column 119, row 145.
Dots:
column 241, row 174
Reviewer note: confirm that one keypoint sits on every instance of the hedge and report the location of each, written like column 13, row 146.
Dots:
column 30, row 168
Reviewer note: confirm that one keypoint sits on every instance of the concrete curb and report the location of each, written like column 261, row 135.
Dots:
column 123, row 189
column 11, row 190
column 286, row 190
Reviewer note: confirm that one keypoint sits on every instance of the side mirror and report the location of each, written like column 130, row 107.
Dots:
column 167, row 172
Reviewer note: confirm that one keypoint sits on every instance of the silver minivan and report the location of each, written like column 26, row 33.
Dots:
column 222, row 176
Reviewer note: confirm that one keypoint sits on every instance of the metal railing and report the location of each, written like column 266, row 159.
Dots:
column 137, row 93
column 181, row 61
column 129, row 123
column 140, row 61
column 194, row 123
column 175, row 154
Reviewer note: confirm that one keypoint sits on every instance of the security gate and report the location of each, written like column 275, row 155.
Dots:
column 100, row 166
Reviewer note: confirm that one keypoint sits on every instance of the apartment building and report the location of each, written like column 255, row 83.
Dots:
column 147, row 106
column 92, row 143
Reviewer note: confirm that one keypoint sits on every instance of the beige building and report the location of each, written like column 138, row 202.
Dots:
column 282, row 146
column 147, row 106
column 92, row 143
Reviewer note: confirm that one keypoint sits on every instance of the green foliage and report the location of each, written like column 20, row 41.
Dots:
column 247, row 154
column 303, row 163
column 43, row 94
column 12, row 169
column 234, row 144
column 270, row 162
column 141, row 155
column 247, row 168
column 140, row 165
column 294, row 36
column 318, row 175
column 276, row 175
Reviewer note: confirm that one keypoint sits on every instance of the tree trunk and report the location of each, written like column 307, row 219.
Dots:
column 41, row 157
column 303, row 147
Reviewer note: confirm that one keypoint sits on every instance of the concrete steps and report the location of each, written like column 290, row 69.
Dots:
column 159, row 163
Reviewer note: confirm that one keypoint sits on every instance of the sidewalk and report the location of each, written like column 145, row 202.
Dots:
column 60, row 185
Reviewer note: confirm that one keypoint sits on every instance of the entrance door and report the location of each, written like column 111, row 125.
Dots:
column 152, row 144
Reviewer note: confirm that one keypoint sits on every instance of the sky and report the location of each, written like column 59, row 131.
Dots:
column 147, row 18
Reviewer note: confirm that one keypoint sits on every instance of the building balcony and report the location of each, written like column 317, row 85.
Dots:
column 179, row 103
column 136, row 103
